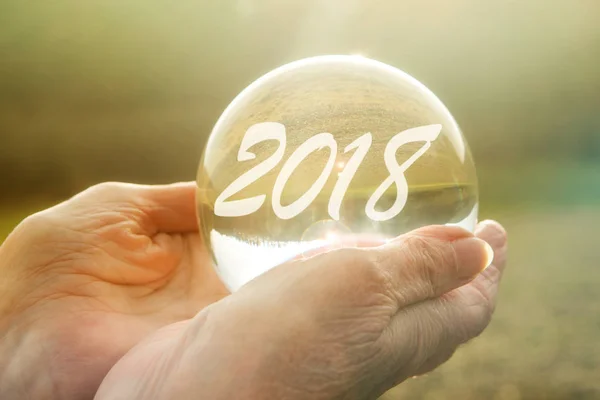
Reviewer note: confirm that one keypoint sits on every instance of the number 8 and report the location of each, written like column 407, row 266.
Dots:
column 423, row 133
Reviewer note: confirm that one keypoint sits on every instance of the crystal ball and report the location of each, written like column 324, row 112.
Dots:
column 328, row 152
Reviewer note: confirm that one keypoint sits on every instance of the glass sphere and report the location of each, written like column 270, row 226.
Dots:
column 328, row 152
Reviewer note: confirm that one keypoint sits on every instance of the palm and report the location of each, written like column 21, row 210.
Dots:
column 111, row 277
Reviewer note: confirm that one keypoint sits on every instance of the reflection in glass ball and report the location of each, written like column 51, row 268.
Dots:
column 325, row 150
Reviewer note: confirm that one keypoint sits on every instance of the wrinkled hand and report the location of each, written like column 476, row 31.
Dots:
column 83, row 282
column 347, row 324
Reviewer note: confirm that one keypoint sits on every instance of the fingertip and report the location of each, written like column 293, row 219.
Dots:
column 490, row 225
column 492, row 232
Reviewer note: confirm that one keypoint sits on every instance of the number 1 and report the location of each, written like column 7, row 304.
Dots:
column 362, row 145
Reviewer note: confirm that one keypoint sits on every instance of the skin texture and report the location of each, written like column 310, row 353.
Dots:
column 116, row 281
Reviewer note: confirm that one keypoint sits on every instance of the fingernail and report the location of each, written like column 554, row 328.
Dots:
column 490, row 254
column 474, row 255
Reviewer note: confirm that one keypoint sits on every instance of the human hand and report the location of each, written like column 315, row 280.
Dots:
column 83, row 282
column 347, row 324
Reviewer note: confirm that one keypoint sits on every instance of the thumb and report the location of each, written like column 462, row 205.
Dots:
column 428, row 262
column 420, row 265
column 417, row 266
column 432, row 330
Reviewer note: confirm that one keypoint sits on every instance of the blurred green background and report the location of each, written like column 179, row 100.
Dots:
column 102, row 90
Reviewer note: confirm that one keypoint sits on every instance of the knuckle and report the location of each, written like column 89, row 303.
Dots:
column 106, row 192
column 428, row 259
column 478, row 315
column 486, row 308
column 499, row 233
column 105, row 188
column 481, row 316
column 421, row 248
column 371, row 271
column 38, row 222
column 494, row 233
column 34, row 229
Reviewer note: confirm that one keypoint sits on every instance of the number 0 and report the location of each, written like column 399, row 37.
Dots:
column 316, row 142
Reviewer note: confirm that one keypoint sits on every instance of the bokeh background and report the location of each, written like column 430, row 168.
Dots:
column 102, row 90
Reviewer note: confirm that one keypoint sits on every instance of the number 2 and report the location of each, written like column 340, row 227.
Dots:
column 255, row 134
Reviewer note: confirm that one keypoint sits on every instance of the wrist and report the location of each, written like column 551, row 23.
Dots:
column 20, row 360
column 231, row 355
